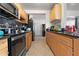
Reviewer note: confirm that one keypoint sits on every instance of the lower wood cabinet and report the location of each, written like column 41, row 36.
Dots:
column 28, row 39
column 59, row 45
column 64, row 50
column 4, row 51
column 76, row 47
column 3, row 47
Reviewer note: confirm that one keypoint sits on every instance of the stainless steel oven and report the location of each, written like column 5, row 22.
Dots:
column 17, row 45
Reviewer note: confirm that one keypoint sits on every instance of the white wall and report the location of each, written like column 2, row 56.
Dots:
column 66, row 13
column 63, row 20
column 72, row 13
column 46, row 12
column 38, row 20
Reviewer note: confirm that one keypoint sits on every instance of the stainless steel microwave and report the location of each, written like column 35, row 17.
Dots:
column 10, row 7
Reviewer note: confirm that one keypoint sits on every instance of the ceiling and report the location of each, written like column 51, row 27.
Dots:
column 73, row 6
column 37, row 6
column 38, row 16
column 47, row 6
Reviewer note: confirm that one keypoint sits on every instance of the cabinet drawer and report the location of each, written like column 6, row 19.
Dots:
column 65, row 43
column 62, row 38
column 66, row 40
column 59, row 44
column 64, row 50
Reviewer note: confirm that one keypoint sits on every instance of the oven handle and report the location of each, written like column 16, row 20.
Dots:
column 16, row 37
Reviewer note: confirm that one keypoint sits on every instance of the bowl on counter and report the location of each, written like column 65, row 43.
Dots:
column 1, row 33
column 28, row 29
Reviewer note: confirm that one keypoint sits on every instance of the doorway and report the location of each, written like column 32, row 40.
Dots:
column 38, row 20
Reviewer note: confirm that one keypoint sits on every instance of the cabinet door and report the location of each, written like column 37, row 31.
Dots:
column 49, row 39
column 65, row 50
column 28, row 39
column 4, row 52
column 56, row 12
column 54, row 46
column 19, row 7
column 52, row 14
column 59, row 46
column 3, row 47
column 65, row 39
column 63, row 47
column 22, row 14
column 76, row 47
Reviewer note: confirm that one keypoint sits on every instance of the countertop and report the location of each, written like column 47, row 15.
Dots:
column 11, row 35
column 65, row 34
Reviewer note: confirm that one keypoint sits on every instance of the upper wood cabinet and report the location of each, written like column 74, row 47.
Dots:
column 56, row 12
column 23, row 16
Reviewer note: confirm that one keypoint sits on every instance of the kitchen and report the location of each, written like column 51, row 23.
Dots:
column 13, row 30
column 39, row 29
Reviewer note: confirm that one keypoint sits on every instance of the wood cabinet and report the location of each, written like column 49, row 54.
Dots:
column 28, row 39
column 64, row 50
column 3, row 47
column 56, row 12
column 76, row 47
column 23, row 16
column 60, row 45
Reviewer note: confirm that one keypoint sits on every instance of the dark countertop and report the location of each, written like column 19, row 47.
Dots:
column 4, row 37
column 11, row 35
column 65, row 34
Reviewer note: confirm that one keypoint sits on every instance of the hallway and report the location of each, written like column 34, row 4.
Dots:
column 39, row 48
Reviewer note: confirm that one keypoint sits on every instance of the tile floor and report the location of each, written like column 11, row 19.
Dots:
column 39, row 48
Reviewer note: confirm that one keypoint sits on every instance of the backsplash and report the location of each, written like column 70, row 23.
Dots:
column 4, row 20
column 56, row 23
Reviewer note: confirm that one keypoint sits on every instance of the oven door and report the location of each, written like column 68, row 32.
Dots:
column 18, row 45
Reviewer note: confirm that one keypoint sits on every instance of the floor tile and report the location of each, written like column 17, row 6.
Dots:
column 39, row 47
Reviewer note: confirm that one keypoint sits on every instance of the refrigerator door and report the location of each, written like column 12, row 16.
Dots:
column 77, row 22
